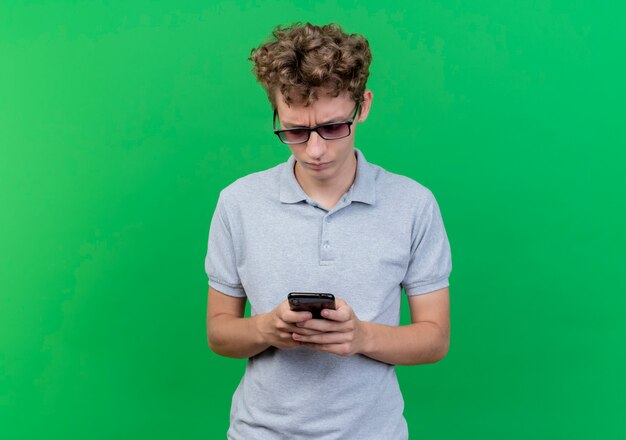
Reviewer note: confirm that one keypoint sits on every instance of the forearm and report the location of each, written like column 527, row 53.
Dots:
column 236, row 337
column 418, row 343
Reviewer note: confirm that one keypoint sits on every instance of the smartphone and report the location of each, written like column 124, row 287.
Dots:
column 311, row 302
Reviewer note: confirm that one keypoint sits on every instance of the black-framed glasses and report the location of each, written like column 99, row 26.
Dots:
column 332, row 131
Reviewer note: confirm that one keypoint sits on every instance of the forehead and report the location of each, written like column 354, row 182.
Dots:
column 324, row 109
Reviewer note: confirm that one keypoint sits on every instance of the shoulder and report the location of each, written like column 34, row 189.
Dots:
column 253, row 186
column 400, row 189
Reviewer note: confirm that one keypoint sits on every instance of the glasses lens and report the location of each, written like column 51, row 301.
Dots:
column 294, row 136
column 334, row 131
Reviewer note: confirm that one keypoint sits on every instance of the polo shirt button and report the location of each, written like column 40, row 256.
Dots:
column 326, row 245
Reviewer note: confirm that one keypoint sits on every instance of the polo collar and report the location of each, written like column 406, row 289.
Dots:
column 364, row 187
column 362, row 190
column 290, row 189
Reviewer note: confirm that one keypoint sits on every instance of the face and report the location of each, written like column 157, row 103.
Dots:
column 319, row 159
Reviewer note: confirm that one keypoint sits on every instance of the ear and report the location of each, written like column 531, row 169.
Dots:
column 366, row 105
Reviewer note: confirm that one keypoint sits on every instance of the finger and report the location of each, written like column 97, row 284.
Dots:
column 305, row 331
column 285, row 313
column 342, row 311
column 290, row 328
column 285, row 337
column 323, row 325
column 293, row 317
column 322, row 338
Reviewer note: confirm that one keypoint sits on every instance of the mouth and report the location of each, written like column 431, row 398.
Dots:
column 317, row 166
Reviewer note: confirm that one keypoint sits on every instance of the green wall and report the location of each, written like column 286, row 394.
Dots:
column 121, row 121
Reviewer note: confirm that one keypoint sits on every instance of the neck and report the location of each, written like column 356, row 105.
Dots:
column 327, row 192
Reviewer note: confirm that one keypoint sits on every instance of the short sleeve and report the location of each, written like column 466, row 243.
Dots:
column 221, row 259
column 430, row 263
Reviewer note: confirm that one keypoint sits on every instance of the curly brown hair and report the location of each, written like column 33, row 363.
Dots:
column 302, row 60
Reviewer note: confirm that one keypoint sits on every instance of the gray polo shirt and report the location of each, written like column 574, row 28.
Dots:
column 268, row 238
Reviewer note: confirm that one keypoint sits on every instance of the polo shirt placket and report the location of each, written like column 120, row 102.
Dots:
column 362, row 190
column 331, row 226
column 326, row 251
column 268, row 238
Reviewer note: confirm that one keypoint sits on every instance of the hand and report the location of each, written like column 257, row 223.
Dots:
column 341, row 333
column 277, row 327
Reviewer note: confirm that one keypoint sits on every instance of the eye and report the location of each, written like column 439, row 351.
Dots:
column 334, row 131
column 333, row 128
column 295, row 133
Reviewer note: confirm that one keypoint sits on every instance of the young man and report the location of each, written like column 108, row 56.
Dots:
column 324, row 221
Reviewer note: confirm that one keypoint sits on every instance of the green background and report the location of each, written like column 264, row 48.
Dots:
column 121, row 121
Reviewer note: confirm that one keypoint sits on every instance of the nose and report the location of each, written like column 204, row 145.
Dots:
column 315, row 146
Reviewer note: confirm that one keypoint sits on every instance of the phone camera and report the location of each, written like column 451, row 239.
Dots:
column 295, row 302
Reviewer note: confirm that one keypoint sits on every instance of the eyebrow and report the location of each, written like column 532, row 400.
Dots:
column 330, row 121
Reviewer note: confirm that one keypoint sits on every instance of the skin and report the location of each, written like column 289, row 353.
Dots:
column 425, row 340
column 328, row 184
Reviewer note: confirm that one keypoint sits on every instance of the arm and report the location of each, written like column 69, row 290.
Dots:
column 230, row 334
column 425, row 340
